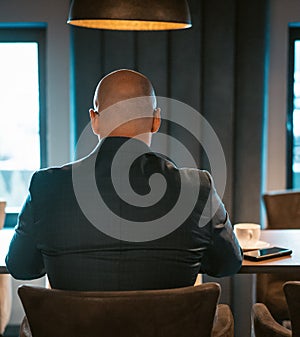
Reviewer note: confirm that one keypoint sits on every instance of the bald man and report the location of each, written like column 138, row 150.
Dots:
column 114, row 219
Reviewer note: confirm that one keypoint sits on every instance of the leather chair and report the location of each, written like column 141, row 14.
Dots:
column 190, row 311
column 292, row 294
column 283, row 212
column 283, row 209
column 265, row 325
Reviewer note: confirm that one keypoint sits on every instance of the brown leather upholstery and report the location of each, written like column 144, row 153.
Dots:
column 283, row 209
column 264, row 324
column 270, row 292
column 178, row 312
column 292, row 293
column 283, row 212
column 224, row 323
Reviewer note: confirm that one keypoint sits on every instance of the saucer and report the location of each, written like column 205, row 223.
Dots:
column 257, row 245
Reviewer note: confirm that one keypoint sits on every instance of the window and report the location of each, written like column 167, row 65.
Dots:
column 22, row 111
column 293, row 120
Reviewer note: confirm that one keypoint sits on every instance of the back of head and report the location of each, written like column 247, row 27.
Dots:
column 126, row 103
column 122, row 85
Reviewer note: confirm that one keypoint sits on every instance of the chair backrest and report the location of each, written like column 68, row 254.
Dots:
column 265, row 325
column 292, row 293
column 178, row 312
column 283, row 209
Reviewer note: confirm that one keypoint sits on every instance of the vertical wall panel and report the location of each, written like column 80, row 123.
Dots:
column 87, row 72
column 184, row 77
column 218, row 78
column 250, row 79
column 152, row 59
column 251, row 40
column 118, row 50
column 184, row 57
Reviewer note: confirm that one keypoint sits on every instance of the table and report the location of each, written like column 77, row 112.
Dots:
column 286, row 238
column 244, row 290
column 5, row 238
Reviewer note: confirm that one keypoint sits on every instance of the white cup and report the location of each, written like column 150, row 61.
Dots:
column 247, row 234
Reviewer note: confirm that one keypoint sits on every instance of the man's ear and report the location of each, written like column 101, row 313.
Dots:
column 156, row 120
column 94, row 121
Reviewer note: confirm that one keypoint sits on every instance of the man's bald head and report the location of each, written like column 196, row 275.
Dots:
column 122, row 85
column 125, row 105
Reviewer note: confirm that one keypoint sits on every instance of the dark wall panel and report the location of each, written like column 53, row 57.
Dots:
column 87, row 72
column 219, row 78
column 184, row 56
column 251, row 41
column 118, row 51
column 152, row 59
column 250, row 69
column 184, row 73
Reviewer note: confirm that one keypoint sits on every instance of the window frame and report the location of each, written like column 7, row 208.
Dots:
column 294, row 35
column 31, row 33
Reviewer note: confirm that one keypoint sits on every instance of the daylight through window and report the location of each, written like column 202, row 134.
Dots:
column 19, row 119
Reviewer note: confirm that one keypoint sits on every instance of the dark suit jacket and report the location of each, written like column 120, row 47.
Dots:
column 65, row 231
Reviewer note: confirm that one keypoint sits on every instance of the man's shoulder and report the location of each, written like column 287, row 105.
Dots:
column 53, row 170
column 51, row 174
column 194, row 175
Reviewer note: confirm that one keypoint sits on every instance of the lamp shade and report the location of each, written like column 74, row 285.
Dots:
column 130, row 14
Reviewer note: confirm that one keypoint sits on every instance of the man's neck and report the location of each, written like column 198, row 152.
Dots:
column 144, row 137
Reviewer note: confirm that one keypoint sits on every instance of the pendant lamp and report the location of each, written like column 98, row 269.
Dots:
column 130, row 14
